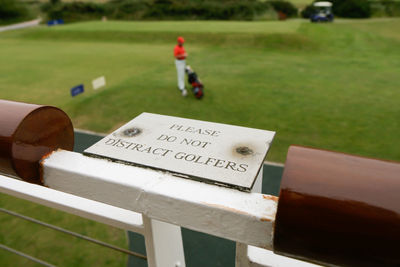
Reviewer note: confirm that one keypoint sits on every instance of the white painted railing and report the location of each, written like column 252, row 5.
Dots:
column 155, row 204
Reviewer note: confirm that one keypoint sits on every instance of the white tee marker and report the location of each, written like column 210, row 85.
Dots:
column 99, row 82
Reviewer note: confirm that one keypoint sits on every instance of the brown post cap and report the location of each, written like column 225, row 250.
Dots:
column 27, row 133
column 339, row 209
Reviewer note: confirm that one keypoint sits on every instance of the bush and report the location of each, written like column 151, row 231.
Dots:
column 284, row 7
column 385, row 8
column 126, row 9
column 308, row 11
column 12, row 10
column 351, row 8
column 167, row 9
column 186, row 9
column 75, row 11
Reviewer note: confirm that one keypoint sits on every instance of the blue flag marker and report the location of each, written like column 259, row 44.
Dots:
column 77, row 90
column 55, row 22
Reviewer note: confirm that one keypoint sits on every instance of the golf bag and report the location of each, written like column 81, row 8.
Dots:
column 197, row 86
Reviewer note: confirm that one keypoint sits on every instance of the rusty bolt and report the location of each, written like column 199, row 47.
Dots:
column 132, row 132
column 244, row 150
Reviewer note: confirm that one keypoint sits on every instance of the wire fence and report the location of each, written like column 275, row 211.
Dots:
column 19, row 253
column 65, row 231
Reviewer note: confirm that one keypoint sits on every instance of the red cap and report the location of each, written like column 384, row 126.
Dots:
column 181, row 40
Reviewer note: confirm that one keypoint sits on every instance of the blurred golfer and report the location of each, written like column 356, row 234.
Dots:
column 180, row 63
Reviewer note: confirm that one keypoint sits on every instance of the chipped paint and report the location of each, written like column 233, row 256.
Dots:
column 41, row 165
column 263, row 219
column 226, row 208
column 269, row 197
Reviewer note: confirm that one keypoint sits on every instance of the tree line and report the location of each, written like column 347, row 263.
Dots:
column 168, row 9
column 18, row 10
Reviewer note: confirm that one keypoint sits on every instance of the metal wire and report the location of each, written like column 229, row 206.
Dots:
column 98, row 242
column 19, row 253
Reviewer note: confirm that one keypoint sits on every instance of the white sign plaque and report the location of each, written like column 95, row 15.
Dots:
column 99, row 82
column 205, row 151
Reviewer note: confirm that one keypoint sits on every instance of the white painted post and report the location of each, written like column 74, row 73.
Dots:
column 163, row 242
column 242, row 259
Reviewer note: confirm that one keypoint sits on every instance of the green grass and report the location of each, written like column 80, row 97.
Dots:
column 332, row 86
column 55, row 247
column 186, row 27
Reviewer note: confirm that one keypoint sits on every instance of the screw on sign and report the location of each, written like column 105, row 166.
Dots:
column 244, row 150
column 132, row 132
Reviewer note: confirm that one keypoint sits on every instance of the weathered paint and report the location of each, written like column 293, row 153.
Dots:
column 274, row 198
column 225, row 208
column 41, row 166
column 339, row 209
column 27, row 133
column 228, row 213
column 85, row 208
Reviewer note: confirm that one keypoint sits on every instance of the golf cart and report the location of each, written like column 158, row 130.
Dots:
column 322, row 13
